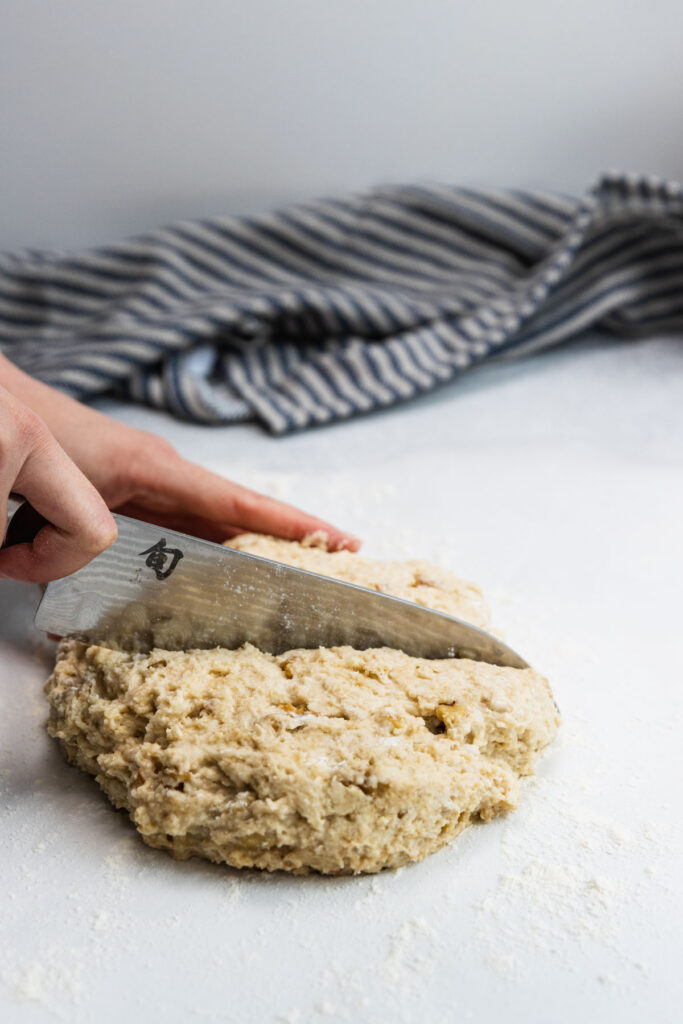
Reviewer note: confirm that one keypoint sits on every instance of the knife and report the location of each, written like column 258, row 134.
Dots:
column 156, row 587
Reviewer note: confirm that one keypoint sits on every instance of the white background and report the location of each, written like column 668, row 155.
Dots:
column 555, row 482
column 117, row 115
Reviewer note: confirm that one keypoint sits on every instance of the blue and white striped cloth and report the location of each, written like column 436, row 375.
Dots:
column 341, row 306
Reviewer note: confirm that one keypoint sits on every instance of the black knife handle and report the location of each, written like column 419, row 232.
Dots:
column 23, row 522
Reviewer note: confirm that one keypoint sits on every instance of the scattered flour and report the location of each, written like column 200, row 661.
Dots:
column 411, row 957
column 55, row 977
column 293, row 1017
column 572, row 878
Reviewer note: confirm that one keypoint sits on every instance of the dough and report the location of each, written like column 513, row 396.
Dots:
column 336, row 760
column 414, row 581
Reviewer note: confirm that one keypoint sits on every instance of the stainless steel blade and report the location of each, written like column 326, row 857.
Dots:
column 158, row 588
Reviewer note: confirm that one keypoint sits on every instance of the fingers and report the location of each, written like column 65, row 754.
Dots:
column 209, row 529
column 195, row 526
column 192, row 499
column 34, row 465
column 265, row 515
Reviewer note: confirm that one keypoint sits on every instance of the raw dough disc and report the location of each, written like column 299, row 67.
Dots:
column 330, row 760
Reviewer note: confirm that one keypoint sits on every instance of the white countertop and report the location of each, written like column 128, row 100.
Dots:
column 558, row 485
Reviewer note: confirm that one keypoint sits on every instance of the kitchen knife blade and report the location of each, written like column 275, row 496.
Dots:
column 156, row 587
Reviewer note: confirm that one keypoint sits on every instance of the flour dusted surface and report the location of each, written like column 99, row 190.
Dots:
column 334, row 760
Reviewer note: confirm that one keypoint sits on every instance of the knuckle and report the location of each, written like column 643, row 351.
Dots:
column 248, row 503
column 153, row 446
column 32, row 431
column 161, row 446
column 147, row 454
column 100, row 534
column 23, row 432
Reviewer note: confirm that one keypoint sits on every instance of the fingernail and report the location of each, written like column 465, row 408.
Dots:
column 346, row 542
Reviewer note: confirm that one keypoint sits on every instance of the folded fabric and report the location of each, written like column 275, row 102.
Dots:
column 341, row 306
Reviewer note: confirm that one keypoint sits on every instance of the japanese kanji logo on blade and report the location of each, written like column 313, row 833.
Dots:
column 157, row 557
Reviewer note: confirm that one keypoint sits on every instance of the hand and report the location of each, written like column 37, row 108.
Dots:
column 141, row 475
column 34, row 465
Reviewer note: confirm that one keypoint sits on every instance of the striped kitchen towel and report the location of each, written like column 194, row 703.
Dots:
column 341, row 306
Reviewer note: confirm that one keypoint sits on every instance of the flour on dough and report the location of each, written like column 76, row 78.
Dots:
column 337, row 761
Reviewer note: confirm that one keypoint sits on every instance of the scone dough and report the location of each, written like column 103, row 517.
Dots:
column 416, row 581
column 336, row 760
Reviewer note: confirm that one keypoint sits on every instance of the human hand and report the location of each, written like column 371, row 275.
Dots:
column 33, row 464
column 141, row 475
